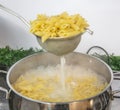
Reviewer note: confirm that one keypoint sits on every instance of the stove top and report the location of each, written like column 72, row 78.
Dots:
column 4, row 102
column 116, row 101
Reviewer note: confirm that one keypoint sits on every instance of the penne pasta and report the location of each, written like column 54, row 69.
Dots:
column 62, row 25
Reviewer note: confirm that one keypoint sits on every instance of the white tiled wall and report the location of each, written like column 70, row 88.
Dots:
column 102, row 15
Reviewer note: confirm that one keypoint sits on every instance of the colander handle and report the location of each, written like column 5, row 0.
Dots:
column 89, row 31
column 15, row 14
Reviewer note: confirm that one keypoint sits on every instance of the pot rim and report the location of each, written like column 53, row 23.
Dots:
column 62, row 38
column 44, row 102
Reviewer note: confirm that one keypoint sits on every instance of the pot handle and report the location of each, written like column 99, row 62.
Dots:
column 2, row 88
column 116, row 77
column 115, row 92
column 2, row 71
column 6, row 91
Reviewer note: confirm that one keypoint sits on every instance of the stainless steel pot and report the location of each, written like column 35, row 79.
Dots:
column 101, row 101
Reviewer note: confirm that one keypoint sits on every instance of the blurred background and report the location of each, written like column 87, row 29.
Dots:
column 103, row 17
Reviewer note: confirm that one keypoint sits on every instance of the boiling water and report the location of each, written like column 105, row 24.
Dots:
column 60, row 83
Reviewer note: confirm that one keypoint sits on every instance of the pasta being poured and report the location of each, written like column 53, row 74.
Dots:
column 62, row 25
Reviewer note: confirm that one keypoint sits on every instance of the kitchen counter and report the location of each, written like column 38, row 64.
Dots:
column 115, row 102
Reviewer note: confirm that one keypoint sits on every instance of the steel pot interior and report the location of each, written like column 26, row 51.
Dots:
column 44, row 58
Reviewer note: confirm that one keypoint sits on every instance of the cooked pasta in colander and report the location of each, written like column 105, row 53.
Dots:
column 44, row 84
column 62, row 25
